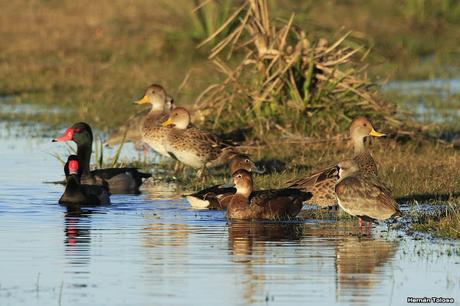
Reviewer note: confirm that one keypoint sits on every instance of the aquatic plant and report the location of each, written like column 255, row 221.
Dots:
column 277, row 79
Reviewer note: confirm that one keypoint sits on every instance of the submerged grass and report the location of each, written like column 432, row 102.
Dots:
column 440, row 223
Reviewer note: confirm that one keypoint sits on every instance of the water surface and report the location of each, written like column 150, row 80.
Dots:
column 151, row 250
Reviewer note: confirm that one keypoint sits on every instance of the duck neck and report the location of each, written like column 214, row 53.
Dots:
column 73, row 181
column 244, row 191
column 84, row 157
column 358, row 145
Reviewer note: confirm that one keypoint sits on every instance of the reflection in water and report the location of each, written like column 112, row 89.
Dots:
column 245, row 238
column 155, row 190
column 250, row 242
column 358, row 261
column 357, row 267
column 77, row 243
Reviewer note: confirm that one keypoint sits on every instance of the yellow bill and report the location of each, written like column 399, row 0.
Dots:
column 376, row 134
column 144, row 100
column 168, row 122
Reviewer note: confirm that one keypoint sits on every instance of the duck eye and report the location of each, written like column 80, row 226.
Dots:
column 77, row 130
column 365, row 124
column 246, row 161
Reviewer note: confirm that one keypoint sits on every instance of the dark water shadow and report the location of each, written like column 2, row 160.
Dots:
column 425, row 197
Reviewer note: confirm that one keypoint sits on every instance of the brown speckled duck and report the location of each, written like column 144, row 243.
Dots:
column 130, row 131
column 194, row 147
column 77, row 194
column 152, row 131
column 247, row 204
column 360, row 193
column 321, row 184
column 218, row 196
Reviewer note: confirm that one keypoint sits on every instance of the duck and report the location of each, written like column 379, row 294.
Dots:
column 277, row 204
column 361, row 194
column 118, row 180
column 194, row 147
column 159, row 101
column 77, row 194
column 151, row 130
column 217, row 197
column 322, row 183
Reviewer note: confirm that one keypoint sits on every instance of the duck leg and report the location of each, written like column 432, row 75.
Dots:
column 360, row 225
column 146, row 152
column 200, row 173
column 368, row 227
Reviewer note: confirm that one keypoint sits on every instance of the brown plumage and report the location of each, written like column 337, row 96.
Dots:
column 361, row 194
column 194, row 147
column 130, row 131
column 321, row 184
column 247, row 204
column 218, row 197
column 151, row 129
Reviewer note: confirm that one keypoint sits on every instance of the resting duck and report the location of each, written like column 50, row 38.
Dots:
column 194, row 147
column 247, row 204
column 361, row 194
column 77, row 194
column 321, row 184
column 131, row 130
column 119, row 180
column 218, row 197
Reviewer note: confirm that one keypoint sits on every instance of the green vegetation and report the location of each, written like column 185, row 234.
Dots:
column 444, row 223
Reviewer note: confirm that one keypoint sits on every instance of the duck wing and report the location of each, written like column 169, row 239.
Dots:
column 218, row 197
column 327, row 174
column 109, row 173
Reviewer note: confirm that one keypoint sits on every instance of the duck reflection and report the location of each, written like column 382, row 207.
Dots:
column 247, row 238
column 358, row 262
column 250, row 243
column 158, row 190
column 77, row 242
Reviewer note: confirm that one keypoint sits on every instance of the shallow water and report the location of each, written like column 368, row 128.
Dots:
column 147, row 249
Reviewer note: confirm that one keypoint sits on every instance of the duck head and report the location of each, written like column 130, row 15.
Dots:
column 178, row 118
column 243, row 182
column 242, row 161
column 347, row 168
column 361, row 128
column 156, row 96
column 80, row 132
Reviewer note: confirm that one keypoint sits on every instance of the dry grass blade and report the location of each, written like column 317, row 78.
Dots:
column 223, row 26
column 280, row 78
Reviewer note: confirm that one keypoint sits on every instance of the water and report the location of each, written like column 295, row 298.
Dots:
column 152, row 250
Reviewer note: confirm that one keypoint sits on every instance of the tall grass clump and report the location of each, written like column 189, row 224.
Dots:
column 275, row 78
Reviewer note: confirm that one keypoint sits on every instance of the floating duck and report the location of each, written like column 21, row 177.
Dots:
column 218, row 196
column 119, row 180
column 248, row 204
column 77, row 194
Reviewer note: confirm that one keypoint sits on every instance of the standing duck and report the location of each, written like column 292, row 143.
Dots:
column 321, row 184
column 77, row 194
column 151, row 130
column 247, row 204
column 119, row 180
column 218, row 196
column 194, row 147
column 361, row 194
column 159, row 101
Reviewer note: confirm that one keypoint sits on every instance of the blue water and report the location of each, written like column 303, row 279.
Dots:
column 151, row 250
